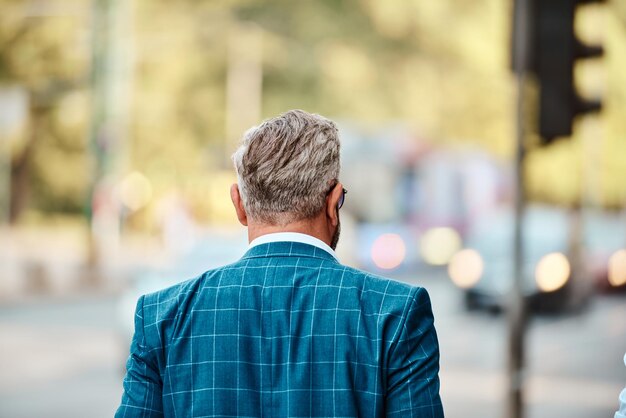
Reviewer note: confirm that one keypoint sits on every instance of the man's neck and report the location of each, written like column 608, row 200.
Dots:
column 314, row 227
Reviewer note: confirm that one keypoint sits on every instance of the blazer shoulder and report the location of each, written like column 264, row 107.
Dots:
column 168, row 298
column 382, row 294
column 377, row 282
column 166, row 305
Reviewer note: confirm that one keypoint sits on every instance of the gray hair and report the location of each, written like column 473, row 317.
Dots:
column 286, row 166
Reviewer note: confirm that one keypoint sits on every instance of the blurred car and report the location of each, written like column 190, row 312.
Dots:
column 386, row 247
column 399, row 248
column 605, row 249
column 484, row 268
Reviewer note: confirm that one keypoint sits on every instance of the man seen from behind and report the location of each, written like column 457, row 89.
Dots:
column 287, row 330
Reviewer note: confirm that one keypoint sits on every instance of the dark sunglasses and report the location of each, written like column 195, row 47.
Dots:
column 342, row 199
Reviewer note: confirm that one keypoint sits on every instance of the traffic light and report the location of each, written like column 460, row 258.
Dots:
column 555, row 50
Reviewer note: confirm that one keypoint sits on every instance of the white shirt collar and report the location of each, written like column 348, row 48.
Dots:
column 292, row 237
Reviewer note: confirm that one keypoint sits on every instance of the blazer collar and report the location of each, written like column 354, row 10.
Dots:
column 288, row 249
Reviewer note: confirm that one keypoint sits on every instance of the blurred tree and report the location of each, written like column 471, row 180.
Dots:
column 441, row 66
column 430, row 63
column 41, row 50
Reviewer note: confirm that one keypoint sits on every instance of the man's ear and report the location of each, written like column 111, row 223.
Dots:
column 332, row 200
column 238, row 203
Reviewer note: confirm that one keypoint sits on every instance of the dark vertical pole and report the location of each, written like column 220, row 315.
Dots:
column 516, row 313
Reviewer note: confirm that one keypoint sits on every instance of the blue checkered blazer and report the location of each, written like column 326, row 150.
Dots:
column 286, row 331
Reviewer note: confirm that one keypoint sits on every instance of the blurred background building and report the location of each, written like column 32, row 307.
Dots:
column 118, row 118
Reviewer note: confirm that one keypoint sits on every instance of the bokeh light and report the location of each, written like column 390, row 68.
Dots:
column 438, row 245
column 466, row 268
column 617, row 268
column 552, row 272
column 388, row 251
column 135, row 191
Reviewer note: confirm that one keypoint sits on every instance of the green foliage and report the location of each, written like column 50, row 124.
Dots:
column 42, row 50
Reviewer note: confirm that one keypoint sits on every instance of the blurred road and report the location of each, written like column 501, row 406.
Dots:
column 60, row 359
column 575, row 367
column 64, row 358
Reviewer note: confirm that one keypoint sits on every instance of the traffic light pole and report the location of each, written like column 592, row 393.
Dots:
column 517, row 312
